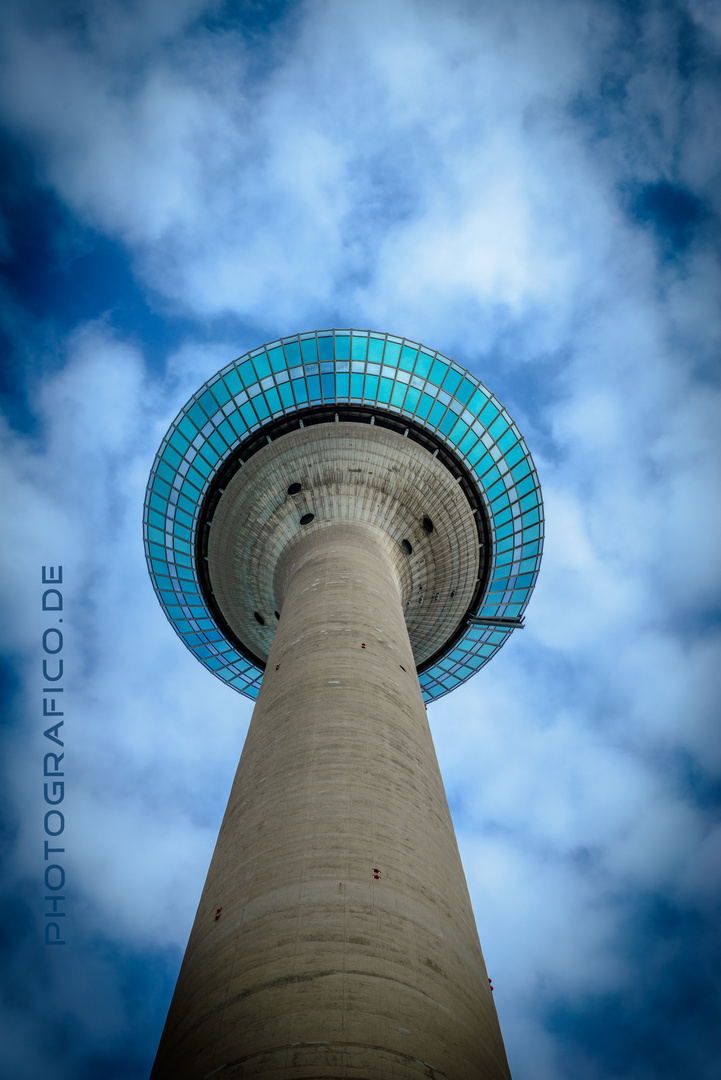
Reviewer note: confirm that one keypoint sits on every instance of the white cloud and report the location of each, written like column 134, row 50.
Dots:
column 459, row 176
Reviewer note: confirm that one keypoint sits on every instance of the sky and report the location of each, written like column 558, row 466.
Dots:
column 532, row 188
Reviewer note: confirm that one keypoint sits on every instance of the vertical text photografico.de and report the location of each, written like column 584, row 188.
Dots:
column 53, row 767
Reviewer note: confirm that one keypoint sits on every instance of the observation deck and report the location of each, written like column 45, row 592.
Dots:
column 381, row 431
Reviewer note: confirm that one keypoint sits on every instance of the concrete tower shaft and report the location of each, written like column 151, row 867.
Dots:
column 316, row 967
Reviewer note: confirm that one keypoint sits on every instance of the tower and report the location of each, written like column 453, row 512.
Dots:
column 344, row 526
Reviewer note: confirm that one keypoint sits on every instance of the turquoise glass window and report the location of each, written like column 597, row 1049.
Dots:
column 165, row 472
column 359, row 347
column 206, row 459
column 507, row 440
column 477, row 403
column 487, row 414
column 342, row 347
column 195, row 478
column 197, row 416
column 519, row 471
column 451, row 381
column 480, row 458
column 235, row 425
column 438, row 372
column 309, row 351
column 261, row 365
column 498, row 426
column 276, row 358
column 201, row 466
column 504, row 533
column 292, row 353
column 160, row 504
column 189, row 490
column 247, row 414
column 229, row 433
column 459, row 432
column 398, row 394
column 313, row 387
column 514, row 455
column 232, row 381
column 247, row 374
column 447, row 422
column 436, row 413
column 261, row 407
column 407, row 358
column 208, row 403
column 371, row 387
column 325, row 349
column 375, row 350
column 465, row 391
column 187, row 504
column 300, row 390
column 171, row 459
column 467, row 442
column 179, row 442
column 494, row 490
column 423, row 364
column 188, row 429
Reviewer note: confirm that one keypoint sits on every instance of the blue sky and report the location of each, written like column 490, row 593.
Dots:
column 531, row 188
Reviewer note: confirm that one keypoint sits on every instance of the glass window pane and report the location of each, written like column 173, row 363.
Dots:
column 384, row 391
column 423, row 364
column 375, row 349
column 371, row 387
column 392, row 353
column 313, row 387
column 359, row 347
column 208, row 403
column 300, row 390
column 438, row 372
column 292, row 352
column 342, row 347
column 451, row 381
column 325, row 348
column 247, row 374
column 261, row 365
column 309, row 350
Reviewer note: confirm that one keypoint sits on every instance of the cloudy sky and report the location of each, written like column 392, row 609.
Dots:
column 530, row 187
